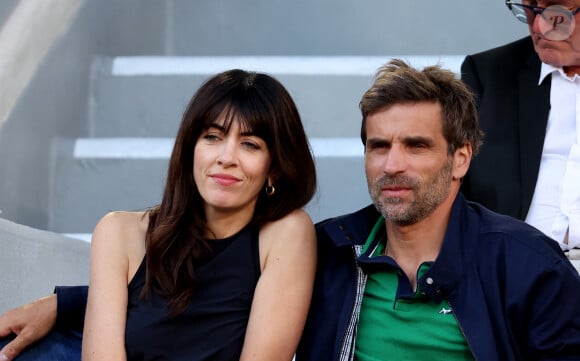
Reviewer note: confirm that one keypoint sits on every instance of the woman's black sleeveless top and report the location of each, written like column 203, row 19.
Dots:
column 214, row 324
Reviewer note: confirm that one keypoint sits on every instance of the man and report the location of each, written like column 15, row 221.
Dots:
column 431, row 276
column 527, row 95
column 423, row 274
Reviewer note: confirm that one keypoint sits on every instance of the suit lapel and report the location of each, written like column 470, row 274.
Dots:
column 534, row 107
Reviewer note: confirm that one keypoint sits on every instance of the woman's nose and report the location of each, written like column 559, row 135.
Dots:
column 227, row 153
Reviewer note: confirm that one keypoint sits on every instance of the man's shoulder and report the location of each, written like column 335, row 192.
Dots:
column 510, row 233
column 499, row 65
column 492, row 221
column 523, row 46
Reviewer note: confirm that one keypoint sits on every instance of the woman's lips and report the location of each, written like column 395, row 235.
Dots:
column 224, row 179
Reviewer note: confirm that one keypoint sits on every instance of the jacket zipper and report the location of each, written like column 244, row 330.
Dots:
column 461, row 329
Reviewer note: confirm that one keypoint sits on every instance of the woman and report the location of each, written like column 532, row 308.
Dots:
column 223, row 268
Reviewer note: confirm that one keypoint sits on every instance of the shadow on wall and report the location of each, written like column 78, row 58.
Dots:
column 25, row 37
column 6, row 7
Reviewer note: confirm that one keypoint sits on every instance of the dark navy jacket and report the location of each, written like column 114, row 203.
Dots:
column 514, row 293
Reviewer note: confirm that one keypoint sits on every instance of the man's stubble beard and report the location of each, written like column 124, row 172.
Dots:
column 428, row 195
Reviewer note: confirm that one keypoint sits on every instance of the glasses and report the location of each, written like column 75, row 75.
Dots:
column 556, row 22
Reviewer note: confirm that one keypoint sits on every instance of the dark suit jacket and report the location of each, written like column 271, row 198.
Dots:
column 513, row 113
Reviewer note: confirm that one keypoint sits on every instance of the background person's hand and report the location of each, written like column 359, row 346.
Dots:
column 29, row 322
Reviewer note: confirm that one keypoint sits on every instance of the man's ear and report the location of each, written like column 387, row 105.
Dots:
column 462, row 160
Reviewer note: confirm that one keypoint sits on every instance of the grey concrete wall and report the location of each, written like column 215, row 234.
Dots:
column 56, row 101
column 340, row 27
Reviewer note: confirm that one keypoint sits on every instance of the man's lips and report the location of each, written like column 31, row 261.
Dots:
column 395, row 191
column 224, row 179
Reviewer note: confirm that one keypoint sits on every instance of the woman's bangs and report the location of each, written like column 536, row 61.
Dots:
column 250, row 119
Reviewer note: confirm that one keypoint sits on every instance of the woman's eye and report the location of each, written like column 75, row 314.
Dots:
column 211, row 137
column 251, row 145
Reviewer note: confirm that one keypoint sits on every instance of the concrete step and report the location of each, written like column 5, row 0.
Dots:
column 146, row 96
column 93, row 176
column 85, row 187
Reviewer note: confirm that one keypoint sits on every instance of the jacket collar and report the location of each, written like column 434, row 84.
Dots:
column 350, row 229
column 457, row 250
column 534, row 107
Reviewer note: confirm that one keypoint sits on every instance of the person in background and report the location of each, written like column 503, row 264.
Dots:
column 211, row 272
column 527, row 94
column 423, row 274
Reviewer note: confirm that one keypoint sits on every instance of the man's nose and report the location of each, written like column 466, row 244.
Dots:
column 395, row 161
column 535, row 24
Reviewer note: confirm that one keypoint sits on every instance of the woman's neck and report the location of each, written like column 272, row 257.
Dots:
column 223, row 225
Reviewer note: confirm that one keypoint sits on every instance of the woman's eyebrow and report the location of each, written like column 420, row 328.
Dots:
column 249, row 133
column 217, row 126
column 222, row 128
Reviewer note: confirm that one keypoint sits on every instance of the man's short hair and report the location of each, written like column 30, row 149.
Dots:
column 397, row 82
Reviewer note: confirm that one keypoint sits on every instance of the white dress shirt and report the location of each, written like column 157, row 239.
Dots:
column 555, row 207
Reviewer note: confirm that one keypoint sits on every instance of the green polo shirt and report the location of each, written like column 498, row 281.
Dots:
column 397, row 323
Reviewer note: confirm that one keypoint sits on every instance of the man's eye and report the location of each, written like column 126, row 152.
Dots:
column 417, row 145
column 378, row 145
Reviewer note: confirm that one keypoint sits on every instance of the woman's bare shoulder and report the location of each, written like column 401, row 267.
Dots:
column 288, row 235
column 296, row 220
column 123, row 221
column 122, row 226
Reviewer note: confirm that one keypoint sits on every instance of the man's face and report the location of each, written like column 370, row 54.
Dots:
column 409, row 171
column 564, row 53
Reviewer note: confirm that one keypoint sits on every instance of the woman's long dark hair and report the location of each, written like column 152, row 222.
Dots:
column 177, row 232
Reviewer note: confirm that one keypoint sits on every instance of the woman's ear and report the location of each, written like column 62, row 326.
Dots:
column 270, row 185
column 273, row 177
